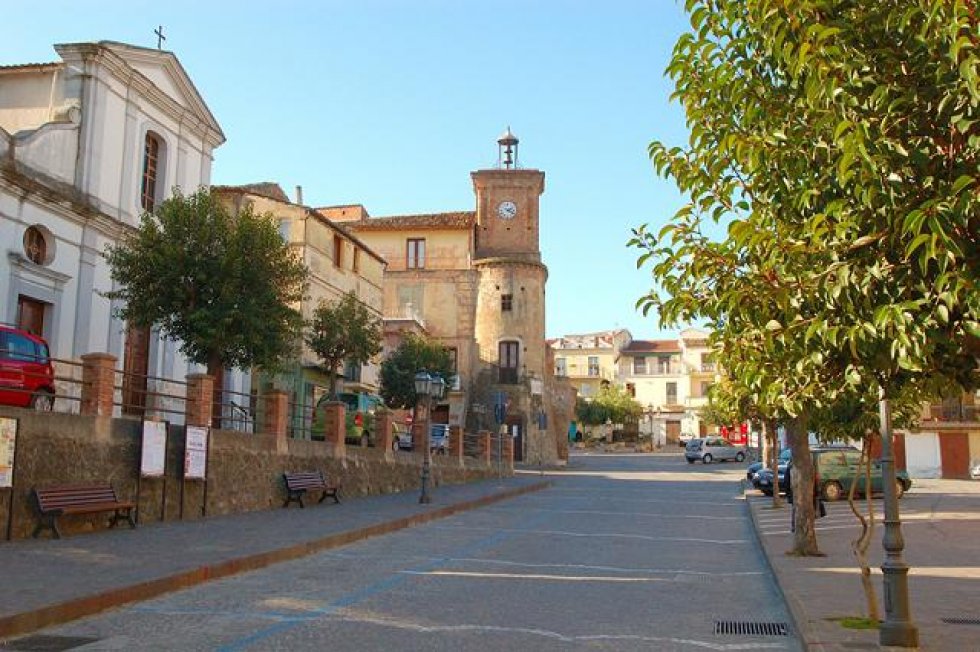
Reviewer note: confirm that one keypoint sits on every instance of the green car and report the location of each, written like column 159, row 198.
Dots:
column 837, row 470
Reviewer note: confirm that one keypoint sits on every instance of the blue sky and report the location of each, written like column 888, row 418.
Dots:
column 392, row 104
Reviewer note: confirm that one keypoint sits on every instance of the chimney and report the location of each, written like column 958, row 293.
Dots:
column 299, row 195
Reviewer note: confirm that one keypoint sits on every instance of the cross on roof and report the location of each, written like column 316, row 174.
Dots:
column 160, row 37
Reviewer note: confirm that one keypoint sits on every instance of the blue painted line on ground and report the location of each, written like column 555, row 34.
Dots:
column 375, row 588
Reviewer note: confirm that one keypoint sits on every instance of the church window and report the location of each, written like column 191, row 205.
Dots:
column 509, row 352
column 506, row 302
column 338, row 251
column 415, row 253
column 35, row 246
column 356, row 262
column 151, row 160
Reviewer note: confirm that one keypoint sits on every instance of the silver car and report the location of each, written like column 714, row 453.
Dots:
column 713, row 449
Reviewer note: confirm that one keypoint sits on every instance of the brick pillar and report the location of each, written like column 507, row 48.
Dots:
column 507, row 450
column 200, row 399
column 98, row 384
column 335, row 427
column 456, row 444
column 383, row 437
column 277, row 417
column 485, row 446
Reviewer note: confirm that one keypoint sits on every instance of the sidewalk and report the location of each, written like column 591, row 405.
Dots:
column 46, row 581
column 941, row 528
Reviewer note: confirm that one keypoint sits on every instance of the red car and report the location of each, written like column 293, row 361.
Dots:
column 26, row 372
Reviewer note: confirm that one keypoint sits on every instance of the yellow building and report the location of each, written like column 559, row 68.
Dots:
column 590, row 360
column 339, row 263
column 475, row 281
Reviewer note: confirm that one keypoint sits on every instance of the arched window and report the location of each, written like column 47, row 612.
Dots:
column 151, row 160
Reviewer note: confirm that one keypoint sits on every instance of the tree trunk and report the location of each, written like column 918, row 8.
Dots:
column 802, row 484
column 860, row 545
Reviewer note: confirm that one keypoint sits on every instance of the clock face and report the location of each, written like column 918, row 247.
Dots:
column 507, row 209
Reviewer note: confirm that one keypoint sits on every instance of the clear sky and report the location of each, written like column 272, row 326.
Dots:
column 392, row 103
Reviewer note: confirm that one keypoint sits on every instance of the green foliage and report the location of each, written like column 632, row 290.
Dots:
column 612, row 403
column 343, row 330
column 222, row 286
column 414, row 354
column 837, row 142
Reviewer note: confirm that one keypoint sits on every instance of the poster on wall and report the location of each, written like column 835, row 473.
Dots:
column 195, row 452
column 8, row 444
column 154, row 454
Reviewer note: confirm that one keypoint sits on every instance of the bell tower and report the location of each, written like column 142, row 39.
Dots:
column 507, row 205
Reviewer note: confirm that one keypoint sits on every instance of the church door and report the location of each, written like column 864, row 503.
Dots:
column 136, row 363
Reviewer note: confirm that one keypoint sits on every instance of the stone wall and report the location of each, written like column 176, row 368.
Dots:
column 244, row 471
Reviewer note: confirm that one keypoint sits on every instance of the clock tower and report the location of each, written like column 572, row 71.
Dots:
column 510, row 295
column 507, row 205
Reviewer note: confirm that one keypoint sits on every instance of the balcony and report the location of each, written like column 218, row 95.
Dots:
column 950, row 415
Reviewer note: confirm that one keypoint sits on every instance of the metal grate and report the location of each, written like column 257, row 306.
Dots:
column 742, row 628
column 961, row 621
column 44, row 643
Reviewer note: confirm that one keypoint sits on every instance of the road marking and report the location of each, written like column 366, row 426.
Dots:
column 615, row 513
column 534, row 576
column 603, row 535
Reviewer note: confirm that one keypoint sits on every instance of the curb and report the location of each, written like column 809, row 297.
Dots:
column 796, row 612
column 26, row 622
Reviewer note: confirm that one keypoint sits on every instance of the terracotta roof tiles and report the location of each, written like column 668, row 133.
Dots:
column 457, row 220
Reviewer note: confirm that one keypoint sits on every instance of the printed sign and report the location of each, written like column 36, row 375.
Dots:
column 195, row 452
column 8, row 443
column 154, row 454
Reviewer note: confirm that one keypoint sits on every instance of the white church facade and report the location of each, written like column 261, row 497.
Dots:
column 87, row 144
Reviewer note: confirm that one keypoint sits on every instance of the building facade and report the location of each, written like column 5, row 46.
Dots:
column 339, row 263
column 87, row 144
column 475, row 281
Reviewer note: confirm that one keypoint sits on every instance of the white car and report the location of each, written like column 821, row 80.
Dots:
column 713, row 449
column 975, row 470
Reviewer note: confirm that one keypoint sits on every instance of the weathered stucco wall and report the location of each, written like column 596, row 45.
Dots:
column 244, row 471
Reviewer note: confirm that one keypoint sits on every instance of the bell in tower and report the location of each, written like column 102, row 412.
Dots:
column 507, row 150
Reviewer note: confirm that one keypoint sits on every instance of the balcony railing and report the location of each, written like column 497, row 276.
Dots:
column 952, row 413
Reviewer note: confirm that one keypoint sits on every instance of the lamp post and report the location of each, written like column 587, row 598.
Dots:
column 427, row 386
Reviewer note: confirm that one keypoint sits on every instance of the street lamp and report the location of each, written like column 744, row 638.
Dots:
column 430, row 387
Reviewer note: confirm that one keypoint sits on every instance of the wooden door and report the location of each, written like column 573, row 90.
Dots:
column 954, row 452
column 30, row 315
column 136, row 363
column 673, row 432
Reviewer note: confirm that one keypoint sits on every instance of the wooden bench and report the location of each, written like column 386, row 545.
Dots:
column 52, row 502
column 297, row 484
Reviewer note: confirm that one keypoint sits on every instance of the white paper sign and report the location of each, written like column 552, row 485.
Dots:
column 195, row 452
column 154, row 454
column 8, row 443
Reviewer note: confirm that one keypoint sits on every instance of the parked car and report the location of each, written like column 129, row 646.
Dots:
column 755, row 467
column 26, row 372
column 836, row 470
column 975, row 469
column 764, row 481
column 712, row 449
column 401, row 437
column 684, row 438
column 439, row 438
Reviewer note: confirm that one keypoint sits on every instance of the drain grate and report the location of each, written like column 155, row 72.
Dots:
column 43, row 643
column 961, row 621
column 743, row 628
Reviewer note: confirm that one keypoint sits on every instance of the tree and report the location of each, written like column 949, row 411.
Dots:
column 414, row 354
column 612, row 403
column 343, row 331
column 838, row 143
column 222, row 286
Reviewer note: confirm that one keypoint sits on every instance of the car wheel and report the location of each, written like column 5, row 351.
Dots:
column 766, row 492
column 42, row 401
column 832, row 491
column 690, row 461
column 739, row 457
column 707, row 458
column 899, row 489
